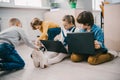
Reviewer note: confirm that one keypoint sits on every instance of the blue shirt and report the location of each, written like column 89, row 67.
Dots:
column 98, row 35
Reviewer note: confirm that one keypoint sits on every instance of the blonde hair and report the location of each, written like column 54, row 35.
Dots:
column 15, row 22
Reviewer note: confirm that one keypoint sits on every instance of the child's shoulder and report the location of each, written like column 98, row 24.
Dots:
column 96, row 27
column 15, row 27
column 18, row 29
column 77, row 29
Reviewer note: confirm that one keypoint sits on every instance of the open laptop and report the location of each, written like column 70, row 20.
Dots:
column 55, row 46
column 81, row 43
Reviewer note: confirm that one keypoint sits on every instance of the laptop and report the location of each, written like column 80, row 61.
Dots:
column 81, row 43
column 55, row 46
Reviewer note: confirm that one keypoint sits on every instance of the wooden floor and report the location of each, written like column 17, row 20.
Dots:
column 65, row 70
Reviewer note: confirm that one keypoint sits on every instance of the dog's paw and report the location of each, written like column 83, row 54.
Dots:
column 44, row 66
column 36, row 63
column 43, row 60
column 35, row 58
column 39, row 59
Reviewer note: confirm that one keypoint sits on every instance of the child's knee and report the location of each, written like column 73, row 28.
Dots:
column 22, row 64
column 94, row 60
column 76, row 57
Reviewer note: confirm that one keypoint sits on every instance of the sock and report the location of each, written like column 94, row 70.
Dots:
column 57, row 59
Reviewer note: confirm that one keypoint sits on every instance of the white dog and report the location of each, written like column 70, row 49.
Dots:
column 39, row 59
column 43, row 58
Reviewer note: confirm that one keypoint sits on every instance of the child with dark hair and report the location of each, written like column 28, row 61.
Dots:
column 86, row 21
column 48, row 29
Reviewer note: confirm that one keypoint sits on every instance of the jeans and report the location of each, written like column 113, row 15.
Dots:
column 52, row 32
column 10, row 59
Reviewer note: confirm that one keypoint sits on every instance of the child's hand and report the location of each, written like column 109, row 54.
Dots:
column 66, row 47
column 37, row 48
column 97, row 44
column 57, row 37
column 38, row 43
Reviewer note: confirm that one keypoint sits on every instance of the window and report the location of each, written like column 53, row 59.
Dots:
column 5, row 1
column 27, row 3
column 33, row 3
column 96, row 4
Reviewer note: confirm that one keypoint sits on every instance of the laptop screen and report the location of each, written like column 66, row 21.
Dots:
column 55, row 46
column 81, row 43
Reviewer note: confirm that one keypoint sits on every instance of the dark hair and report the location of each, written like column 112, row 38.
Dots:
column 35, row 22
column 86, row 18
column 69, row 19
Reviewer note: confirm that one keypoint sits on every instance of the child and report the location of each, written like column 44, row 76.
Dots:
column 54, row 57
column 9, row 39
column 69, row 27
column 48, row 29
column 86, row 21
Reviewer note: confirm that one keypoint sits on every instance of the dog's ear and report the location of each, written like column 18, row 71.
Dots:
column 43, row 49
column 31, row 56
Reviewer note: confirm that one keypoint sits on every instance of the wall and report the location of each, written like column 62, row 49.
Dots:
column 112, row 26
column 87, row 5
column 56, row 16
column 45, row 3
column 113, row 1
column 25, row 15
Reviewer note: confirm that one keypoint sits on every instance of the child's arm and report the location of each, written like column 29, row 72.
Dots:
column 97, row 44
column 57, row 38
column 26, row 40
column 100, row 39
column 44, row 35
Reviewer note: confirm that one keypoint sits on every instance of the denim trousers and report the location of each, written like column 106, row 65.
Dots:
column 52, row 32
column 9, row 58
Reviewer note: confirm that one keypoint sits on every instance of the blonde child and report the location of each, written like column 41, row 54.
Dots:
column 69, row 27
column 9, row 39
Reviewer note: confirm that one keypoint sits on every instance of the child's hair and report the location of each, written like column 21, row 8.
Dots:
column 69, row 19
column 35, row 22
column 15, row 22
column 86, row 18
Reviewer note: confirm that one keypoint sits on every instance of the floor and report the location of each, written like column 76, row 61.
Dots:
column 65, row 70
